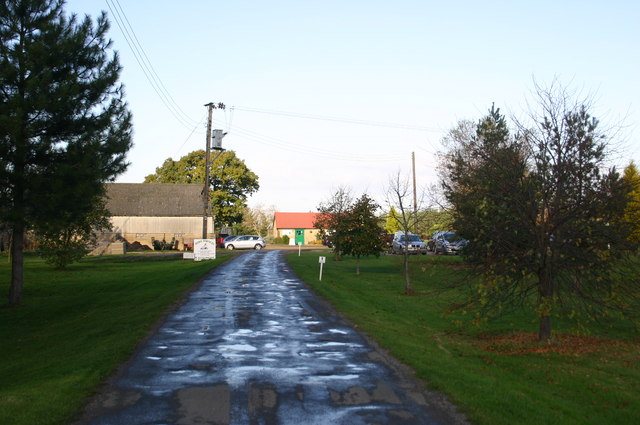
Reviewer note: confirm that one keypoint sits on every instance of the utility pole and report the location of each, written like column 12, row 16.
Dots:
column 207, row 180
column 415, row 198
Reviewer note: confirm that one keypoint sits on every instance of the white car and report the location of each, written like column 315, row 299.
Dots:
column 245, row 242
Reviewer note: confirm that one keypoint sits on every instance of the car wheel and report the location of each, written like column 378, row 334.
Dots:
column 230, row 247
column 257, row 247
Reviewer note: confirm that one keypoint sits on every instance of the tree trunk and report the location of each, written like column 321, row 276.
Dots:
column 17, row 262
column 544, row 332
column 407, row 280
column 546, row 304
column 358, row 266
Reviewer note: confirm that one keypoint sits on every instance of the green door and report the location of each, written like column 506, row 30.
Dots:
column 300, row 236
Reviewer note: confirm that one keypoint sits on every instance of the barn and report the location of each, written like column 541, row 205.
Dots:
column 142, row 213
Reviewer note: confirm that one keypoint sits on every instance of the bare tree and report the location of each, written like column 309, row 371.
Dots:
column 258, row 219
column 400, row 197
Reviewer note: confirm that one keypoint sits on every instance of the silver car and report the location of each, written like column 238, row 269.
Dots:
column 245, row 242
column 449, row 243
column 412, row 243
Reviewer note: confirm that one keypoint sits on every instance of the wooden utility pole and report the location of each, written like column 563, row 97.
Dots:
column 207, row 165
column 415, row 196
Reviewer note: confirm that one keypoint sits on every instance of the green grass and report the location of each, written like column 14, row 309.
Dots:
column 592, row 379
column 77, row 326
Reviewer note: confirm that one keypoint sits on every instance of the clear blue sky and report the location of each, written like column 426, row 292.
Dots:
column 422, row 64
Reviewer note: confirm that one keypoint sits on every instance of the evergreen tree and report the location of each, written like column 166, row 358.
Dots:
column 64, row 125
column 632, row 210
column 544, row 218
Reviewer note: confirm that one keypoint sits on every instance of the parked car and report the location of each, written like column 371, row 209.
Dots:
column 449, row 243
column 245, row 242
column 326, row 241
column 411, row 242
column 226, row 240
column 431, row 243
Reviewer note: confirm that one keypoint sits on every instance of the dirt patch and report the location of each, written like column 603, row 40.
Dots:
column 565, row 344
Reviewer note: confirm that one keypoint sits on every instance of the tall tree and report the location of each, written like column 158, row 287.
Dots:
column 64, row 125
column 360, row 231
column 232, row 182
column 543, row 216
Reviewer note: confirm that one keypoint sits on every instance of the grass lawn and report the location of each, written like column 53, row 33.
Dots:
column 497, row 374
column 77, row 326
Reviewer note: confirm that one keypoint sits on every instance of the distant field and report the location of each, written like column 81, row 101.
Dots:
column 498, row 374
column 77, row 326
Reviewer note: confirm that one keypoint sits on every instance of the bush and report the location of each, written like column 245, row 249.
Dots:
column 278, row 241
column 285, row 240
column 62, row 251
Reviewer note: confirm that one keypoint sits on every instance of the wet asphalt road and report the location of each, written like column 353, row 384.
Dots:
column 252, row 345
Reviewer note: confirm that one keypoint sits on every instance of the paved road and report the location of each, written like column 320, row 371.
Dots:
column 252, row 345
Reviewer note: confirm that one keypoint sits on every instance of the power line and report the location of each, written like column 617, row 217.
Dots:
column 338, row 119
column 190, row 134
column 300, row 148
column 145, row 64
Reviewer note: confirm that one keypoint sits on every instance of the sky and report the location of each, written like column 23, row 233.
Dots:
column 322, row 95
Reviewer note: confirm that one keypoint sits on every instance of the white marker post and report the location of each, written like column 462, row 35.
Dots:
column 321, row 260
column 299, row 248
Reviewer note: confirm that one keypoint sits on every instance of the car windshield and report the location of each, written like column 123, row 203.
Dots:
column 410, row 238
column 452, row 237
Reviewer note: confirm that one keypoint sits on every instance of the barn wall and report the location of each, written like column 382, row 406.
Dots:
column 182, row 230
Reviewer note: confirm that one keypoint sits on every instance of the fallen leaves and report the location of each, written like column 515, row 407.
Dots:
column 565, row 344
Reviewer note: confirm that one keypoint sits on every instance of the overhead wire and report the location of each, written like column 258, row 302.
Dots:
column 302, row 149
column 145, row 64
column 169, row 102
column 190, row 134
column 339, row 119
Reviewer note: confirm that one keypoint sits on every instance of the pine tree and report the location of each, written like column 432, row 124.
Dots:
column 544, row 217
column 632, row 211
column 64, row 125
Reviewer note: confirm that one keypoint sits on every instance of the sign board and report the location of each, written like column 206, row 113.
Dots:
column 204, row 249
column 321, row 260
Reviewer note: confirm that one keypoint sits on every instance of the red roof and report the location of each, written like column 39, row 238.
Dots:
column 292, row 220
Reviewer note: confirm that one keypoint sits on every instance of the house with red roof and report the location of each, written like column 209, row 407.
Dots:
column 297, row 226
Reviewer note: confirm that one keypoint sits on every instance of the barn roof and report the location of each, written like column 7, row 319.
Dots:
column 294, row 220
column 154, row 199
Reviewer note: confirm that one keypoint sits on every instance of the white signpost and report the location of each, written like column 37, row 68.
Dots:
column 204, row 249
column 321, row 260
